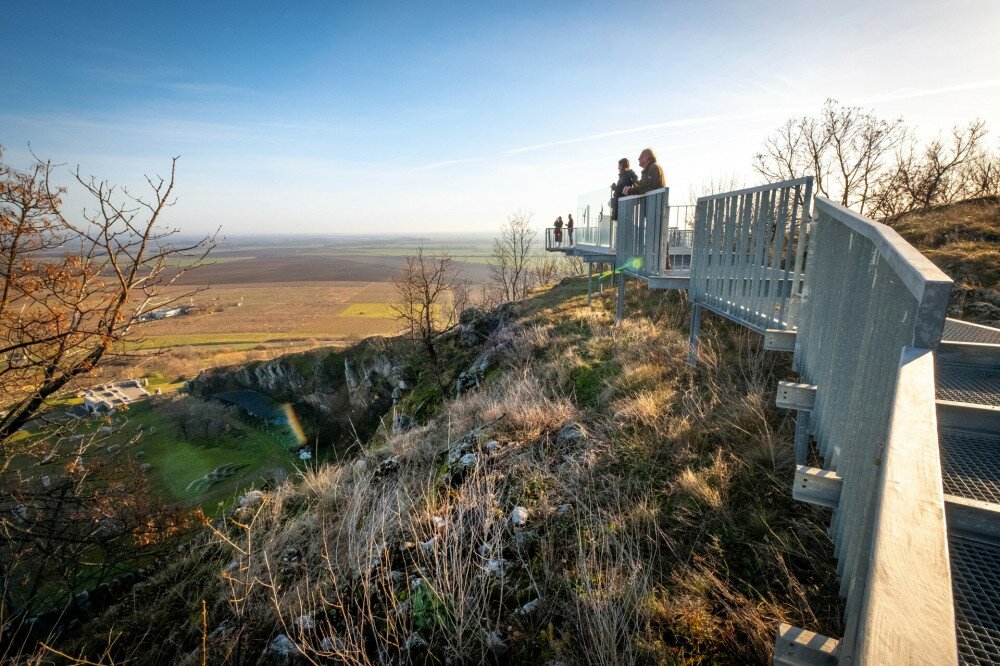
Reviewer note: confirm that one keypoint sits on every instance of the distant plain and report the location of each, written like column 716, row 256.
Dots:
column 256, row 297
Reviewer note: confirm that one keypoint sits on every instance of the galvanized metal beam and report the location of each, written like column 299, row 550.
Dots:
column 972, row 518
column 817, row 486
column 776, row 339
column 799, row 647
column 793, row 395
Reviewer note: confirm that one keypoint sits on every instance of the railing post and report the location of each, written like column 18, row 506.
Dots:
column 801, row 436
column 590, row 282
column 695, row 330
column 620, row 307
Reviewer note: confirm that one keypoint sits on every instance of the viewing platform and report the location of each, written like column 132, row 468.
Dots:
column 897, row 408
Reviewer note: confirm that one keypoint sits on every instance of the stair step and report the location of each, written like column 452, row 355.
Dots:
column 975, row 575
column 970, row 464
column 973, row 385
column 963, row 331
column 977, row 354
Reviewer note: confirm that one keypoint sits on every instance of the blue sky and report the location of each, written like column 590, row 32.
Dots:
column 370, row 117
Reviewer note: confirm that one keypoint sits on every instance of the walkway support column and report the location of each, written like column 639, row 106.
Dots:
column 695, row 330
column 590, row 282
column 620, row 308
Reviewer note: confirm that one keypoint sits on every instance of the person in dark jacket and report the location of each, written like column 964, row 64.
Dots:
column 569, row 229
column 652, row 177
column 626, row 178
column 558, row 232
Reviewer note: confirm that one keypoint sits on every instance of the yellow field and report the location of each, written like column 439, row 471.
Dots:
column 378, row 310
column 343, row 311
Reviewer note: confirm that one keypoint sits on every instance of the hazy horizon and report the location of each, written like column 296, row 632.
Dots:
column 445, row 118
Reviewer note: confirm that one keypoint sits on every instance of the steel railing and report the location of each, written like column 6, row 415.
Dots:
column 653, row 236
column 867, row 298
column 749, row 253
column 867, row 295
column 556, row 242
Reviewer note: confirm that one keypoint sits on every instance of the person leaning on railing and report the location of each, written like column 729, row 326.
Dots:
column 558, row 232
column 626, row 178
column 652, row 177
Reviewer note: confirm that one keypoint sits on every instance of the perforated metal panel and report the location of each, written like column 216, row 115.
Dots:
column 977, row 386
column 960, row 331
column 975, row 573
column 970, row 463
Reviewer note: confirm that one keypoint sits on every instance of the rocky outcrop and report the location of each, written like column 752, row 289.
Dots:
column 338, row 395
column 975, row 304
column 475, row 325
column 499, row 340
column 374, row 375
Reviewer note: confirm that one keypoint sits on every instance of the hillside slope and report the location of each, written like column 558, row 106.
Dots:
column 594, row 500
column 963, row 240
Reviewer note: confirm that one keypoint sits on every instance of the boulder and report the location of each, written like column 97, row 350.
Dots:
column 282, row 648
column 403, row 422
column 529, row 608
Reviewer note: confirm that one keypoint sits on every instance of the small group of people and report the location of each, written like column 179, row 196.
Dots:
column 628, row 184
column 557, row 235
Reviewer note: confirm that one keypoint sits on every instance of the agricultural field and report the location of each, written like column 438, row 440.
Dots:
column 257, row 297
column 274, row 311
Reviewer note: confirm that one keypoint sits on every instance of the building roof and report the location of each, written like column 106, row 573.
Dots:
column 253, row 402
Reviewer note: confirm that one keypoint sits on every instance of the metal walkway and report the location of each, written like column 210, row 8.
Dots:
column 968, row 393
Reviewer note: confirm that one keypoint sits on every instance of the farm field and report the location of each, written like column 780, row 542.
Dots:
column 261, row 312
column 257, row 297
column 261, row 296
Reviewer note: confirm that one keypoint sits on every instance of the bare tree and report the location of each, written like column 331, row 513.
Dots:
column 429, row 296
column 87, row 517
column 513, row 254
column 72, row 296
column 934, row 175
column 844, row 149
column 72, row 293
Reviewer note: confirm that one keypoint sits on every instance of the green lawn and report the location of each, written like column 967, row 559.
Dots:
column 175, row 463
column 158, row 341
column 263, row 452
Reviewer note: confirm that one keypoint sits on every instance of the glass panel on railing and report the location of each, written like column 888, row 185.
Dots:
column 593, row 218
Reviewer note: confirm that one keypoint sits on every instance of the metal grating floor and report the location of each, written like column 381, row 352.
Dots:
column 975, row 575
column 960, row 331
column 970, row 464
column 977, row 386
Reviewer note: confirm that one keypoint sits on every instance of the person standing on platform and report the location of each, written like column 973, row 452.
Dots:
column 558, row 232
column 652, row 177
column 569, row 230
column 626, row 179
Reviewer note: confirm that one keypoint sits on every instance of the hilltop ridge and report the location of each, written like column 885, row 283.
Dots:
column 593, row 500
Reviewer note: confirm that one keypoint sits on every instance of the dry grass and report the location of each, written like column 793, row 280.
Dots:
column 962, row 239
column 664, row 533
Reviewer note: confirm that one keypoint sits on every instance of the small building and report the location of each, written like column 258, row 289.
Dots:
column 162, row 314
column 109, row 397
column 255, row 404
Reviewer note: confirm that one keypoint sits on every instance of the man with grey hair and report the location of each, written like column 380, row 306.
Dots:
column 652, row 177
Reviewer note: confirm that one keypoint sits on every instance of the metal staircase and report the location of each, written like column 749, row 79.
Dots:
column 968, row 406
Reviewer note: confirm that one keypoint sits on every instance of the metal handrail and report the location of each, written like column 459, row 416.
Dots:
column 749, row 253
column 867, row 295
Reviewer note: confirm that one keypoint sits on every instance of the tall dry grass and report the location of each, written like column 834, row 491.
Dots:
column 660, row 522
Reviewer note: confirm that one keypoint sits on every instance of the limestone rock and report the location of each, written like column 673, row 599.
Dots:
column 282, row 646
